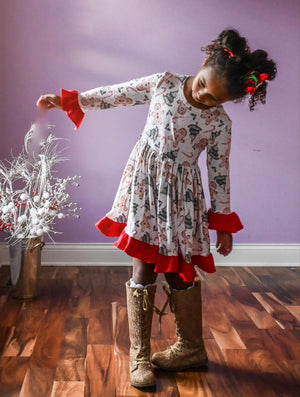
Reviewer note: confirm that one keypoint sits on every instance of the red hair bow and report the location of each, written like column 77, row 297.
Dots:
column 255, row 82
column 250, row 90
column 263, row 77
column 230, row 53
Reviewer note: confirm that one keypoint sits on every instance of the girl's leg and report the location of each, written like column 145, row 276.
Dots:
column 185, row 303
column 143, row 273
column 176, row 282
column 140, row 304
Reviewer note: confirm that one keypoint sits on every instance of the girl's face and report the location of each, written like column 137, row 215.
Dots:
column 208, row 89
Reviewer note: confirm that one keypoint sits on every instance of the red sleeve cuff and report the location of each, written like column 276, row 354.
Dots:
column 70, row 105
column 224, row 222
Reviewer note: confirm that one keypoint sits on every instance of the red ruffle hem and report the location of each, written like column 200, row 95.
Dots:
column 165, row 264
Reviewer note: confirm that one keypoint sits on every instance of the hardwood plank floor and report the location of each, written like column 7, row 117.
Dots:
column 73, row 339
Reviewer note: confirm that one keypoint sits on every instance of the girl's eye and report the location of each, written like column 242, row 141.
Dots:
column 201, row 83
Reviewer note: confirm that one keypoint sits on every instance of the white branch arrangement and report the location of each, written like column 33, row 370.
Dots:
column 31, row 198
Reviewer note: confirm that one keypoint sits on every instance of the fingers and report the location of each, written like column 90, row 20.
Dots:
column 47, row 102
column 42, row 104
column 223, row 250
column 224, row 243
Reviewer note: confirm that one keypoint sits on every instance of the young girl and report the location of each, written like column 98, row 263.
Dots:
column 159, row 213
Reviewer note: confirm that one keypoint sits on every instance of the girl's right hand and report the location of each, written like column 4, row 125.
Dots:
column 48, row 101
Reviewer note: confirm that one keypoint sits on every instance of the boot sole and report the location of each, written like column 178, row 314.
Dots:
column 141, row 386
column 202, row 365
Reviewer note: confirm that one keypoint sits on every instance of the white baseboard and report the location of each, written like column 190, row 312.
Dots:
column 109, row 255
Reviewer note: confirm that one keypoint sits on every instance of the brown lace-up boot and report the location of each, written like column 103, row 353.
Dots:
column 140, row 305
column 188, row 351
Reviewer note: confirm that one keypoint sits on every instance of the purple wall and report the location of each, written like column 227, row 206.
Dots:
column 84, row 44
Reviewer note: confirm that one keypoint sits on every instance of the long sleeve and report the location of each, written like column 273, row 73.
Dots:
column 134, row 92
column 220, row 216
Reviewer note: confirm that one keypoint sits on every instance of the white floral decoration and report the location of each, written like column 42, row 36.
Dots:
column 31, row 197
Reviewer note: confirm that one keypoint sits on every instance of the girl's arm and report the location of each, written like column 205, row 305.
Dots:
column 220, row 217
column 133, row 92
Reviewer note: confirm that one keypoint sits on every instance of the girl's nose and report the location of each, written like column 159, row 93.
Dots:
column 201, row 95
column 202, row 92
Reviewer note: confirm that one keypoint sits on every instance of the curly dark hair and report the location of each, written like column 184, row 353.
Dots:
column 233, row 60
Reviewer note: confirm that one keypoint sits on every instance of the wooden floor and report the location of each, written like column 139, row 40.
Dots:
column 73, row 340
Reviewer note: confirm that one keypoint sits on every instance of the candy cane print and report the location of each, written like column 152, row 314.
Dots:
column 208, row 131
column 177, row 117
column 188, row 155
column 226, row 143
column 162, row 92
column 181, row 221
column 131, row 88
column 108, row 96
column 126, row 186
column 164, row 139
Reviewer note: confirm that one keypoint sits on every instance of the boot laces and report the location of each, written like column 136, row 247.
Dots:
column 142, row 357
column 142, row 360
column 176, row 348
column 147, row 304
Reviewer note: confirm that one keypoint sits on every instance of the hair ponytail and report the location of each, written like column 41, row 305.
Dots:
column 242, row 69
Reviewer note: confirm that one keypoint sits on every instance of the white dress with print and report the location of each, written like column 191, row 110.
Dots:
column 159, row 211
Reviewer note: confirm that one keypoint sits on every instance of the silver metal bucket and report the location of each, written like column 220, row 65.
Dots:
column 25, row 262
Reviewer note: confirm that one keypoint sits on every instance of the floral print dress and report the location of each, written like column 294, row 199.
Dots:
column 159, row 213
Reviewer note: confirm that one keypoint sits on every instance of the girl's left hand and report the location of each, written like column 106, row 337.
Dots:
column 224, row 243
column 48, row 101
